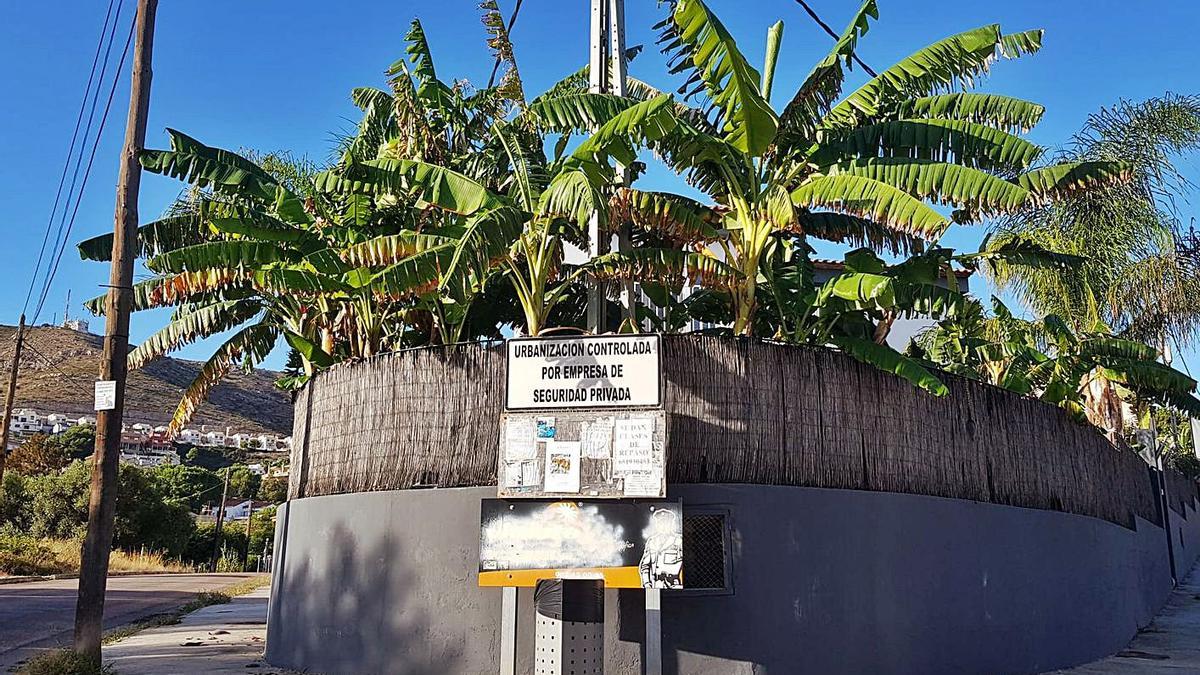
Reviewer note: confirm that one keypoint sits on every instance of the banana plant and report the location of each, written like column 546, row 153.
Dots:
column 512, row 207
column 1094, row 375
column 866, row 168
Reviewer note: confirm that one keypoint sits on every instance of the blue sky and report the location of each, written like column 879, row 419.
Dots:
column 274, row 75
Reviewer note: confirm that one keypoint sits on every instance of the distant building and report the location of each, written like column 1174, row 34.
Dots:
column 191, row 437
column 149, row 457
column 25, row 422
column 80, row 325
column 214, row 439
column 237, row 508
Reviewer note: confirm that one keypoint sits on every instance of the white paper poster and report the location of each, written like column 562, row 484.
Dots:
column 519, row 441
column 633, row 448
column 512, row 474
column 562, row 466
column 596, row 438
column 106, row 395
column 643, row 484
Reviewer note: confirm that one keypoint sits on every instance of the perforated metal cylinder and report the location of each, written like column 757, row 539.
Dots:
column 569, row 635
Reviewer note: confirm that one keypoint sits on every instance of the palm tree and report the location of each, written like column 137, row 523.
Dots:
column 865, row 169
column 1139, row 276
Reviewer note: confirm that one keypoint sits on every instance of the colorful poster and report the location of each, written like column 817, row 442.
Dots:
column 545, row 427
column 562, row 467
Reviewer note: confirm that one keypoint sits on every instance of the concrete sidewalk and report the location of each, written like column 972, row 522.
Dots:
column 1170, row 645
column 225, row 638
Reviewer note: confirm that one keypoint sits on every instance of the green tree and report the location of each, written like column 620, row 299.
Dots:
column 78, row 442
column 1139, row 270
column 1088, row 373
column 243, row 482
column 864, row 169
column 191, row 486
column 273, row 489
column 39, row 454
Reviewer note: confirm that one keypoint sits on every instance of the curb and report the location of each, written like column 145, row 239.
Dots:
column 75, row 575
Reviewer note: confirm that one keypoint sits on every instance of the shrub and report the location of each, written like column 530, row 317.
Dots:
column 64, row 662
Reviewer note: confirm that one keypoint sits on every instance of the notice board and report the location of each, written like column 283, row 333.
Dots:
column 577, row 453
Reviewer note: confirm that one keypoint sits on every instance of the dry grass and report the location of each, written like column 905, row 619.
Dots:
column 64, row 662
column 22, row 555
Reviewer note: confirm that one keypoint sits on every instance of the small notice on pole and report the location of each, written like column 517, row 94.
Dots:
column 106, row 395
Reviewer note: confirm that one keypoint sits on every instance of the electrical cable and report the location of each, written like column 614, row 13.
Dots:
column 835, row 36
column 70, row 153
column 87, row 171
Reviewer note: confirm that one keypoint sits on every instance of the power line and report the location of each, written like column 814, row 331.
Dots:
column 70, row 153
column 87, row 171
column 835, row 36
column 78, row 378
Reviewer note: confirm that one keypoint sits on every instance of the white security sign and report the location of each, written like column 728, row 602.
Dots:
column 584, row 372
column 106, row 395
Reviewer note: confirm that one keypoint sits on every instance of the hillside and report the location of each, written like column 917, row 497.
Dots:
column 247, row 402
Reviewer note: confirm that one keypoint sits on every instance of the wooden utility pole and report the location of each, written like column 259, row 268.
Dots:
column 8, row 399
column 216, row 554
column 249, row 519
column 102, row 501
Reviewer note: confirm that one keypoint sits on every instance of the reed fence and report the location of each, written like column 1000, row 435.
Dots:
column 739, row 411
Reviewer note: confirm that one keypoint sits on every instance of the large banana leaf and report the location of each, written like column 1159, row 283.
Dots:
column 1106, row 346
column 889, row 360
column 940, row 181
column 953, row 61
column 674, row 216
column 871, row 199
column 393, row 248
column 707, row 163
column 576, row 112
column 843, row 228
column 431, row 183
column 640, row 123
column 220, row 255
column 1019, row 251
column 250, row 346
column 429, row 88
column 488, row 236
column 417, row 274
column 823, row 85
column 154, row 238
column 292, row 281
column 955, row 141
column 575, row 196
column 701, row 45
column 1003, row 112
column 1062, row 180
column 195, row 324
column 261, row 227
column 668, row 266
column 1147, row 376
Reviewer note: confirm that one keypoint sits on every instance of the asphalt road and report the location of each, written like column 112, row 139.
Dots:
column 41, row 614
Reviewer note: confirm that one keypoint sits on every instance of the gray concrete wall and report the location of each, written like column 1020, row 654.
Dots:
column 825, row 581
